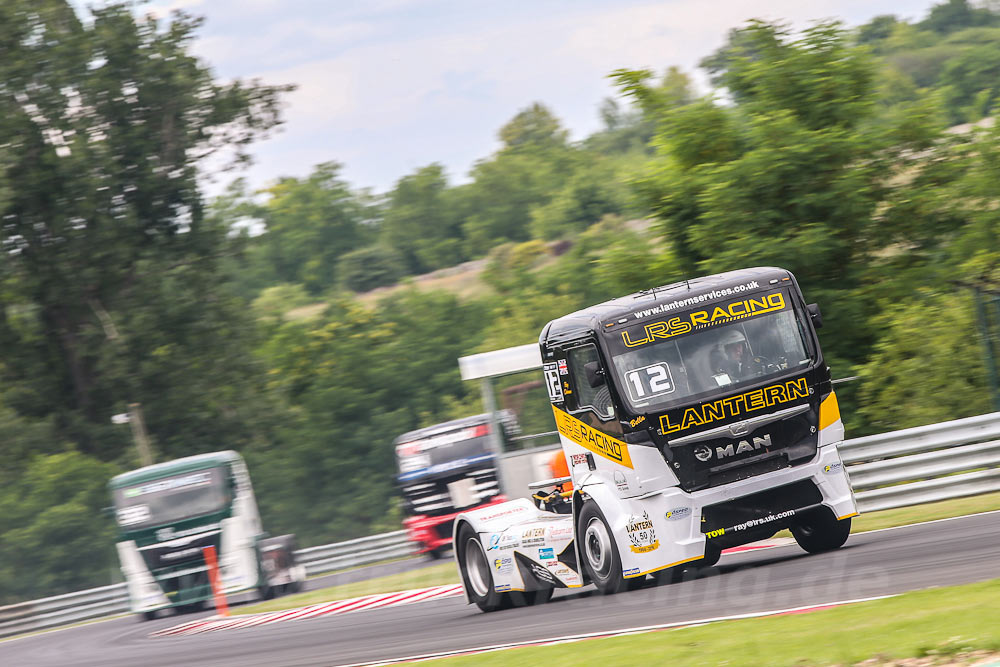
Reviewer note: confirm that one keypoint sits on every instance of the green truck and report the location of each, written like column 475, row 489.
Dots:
column 168, row 513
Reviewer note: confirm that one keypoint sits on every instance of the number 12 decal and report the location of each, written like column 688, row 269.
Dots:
column 648, row 381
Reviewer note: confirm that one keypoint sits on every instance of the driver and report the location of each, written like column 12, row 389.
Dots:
column 732, row 355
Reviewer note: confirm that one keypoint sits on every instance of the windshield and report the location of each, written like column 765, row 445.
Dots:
column 171, row 499
column 443, row 451
column 674, row 363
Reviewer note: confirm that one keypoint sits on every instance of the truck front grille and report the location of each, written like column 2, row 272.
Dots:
column 434, row 497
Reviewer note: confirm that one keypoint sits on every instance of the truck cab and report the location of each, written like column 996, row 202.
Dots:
column 168, row 514
column 694, row 417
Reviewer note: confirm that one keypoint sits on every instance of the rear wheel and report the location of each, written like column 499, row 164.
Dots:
column 600, row 552
column 820, row 531
column 477, row 573
column 147, row 615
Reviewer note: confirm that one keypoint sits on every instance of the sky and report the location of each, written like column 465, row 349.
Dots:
column 388, row 86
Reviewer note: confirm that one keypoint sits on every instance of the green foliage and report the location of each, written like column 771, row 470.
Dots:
column 310, row 223
column 421, row 222
column 366, row 268
column 53, row 536
column 928, row 343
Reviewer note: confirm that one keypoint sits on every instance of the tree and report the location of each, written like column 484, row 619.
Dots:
column 792, row 176
column 953, row 15
column 533, row 128
column 422, row 223
column 309, row 224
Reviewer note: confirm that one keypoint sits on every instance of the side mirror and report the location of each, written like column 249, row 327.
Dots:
column 815, row 315
column 595, row 374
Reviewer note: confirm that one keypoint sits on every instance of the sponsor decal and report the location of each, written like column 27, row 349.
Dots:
column 560, row 532
column 552, row 382
column 563, row 370
column 503, row 565
column 501, row 588
column 578, row 459
column 159, row 486
column 532, row 537
column 632, row 571
column 833, row 468
column 678, row 513
column 516, row 509
column 716, row 533
column 183, row 553
column 620, row 481
column 169, row 533
column 734, row 406
column 546, row 554
column 591, row 439
column 130, row 516
column 641, row 534
column 638, row 420
column 542, row 574
column 696, row 299
column 702, row 319
column 419, row 466
column 502, row 541
column 703, row 452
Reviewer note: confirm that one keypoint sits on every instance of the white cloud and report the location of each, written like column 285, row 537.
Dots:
column 389, row 86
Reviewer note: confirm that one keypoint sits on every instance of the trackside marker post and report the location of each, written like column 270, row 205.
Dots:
column 213, row 577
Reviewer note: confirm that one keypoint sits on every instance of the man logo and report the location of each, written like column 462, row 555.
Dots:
column 704, row 452
column 742, row 447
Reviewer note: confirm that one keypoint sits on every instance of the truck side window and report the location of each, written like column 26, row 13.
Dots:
column 598, row 398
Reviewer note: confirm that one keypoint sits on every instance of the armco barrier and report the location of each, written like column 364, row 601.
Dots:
column 111, row 600
column 925, row 464
column 909, row 467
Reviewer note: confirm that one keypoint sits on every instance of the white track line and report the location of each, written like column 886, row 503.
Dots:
column 610, row 633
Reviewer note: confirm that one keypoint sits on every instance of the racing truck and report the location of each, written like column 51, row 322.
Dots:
column 168, row 513
column 694, row 417
column 446, row 468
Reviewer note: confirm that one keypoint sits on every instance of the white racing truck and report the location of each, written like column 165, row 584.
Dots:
column 694, row 417
column 169, row 512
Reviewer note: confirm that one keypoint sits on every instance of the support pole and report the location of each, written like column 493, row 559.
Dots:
column 139, row 434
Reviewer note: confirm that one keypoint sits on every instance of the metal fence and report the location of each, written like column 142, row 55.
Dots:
column 925, row 464
column 909, row 467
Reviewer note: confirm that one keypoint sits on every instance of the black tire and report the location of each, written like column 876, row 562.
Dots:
column 820, row 531
column 477, row 575
column 147, row 616
column 599, row 552
column 531, row 598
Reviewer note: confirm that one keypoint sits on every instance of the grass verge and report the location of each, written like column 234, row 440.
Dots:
column 942, row 621
column 445, row 573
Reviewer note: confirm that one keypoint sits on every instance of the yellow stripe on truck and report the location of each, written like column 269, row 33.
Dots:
column 590, row 438
column 829, row 411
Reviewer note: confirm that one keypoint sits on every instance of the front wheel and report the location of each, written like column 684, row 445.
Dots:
column 820, row 531
column 477, row 573
column 600, row 552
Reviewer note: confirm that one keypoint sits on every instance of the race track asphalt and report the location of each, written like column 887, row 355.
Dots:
column 878, row 563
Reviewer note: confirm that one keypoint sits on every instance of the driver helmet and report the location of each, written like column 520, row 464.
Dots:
column 732, row 341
